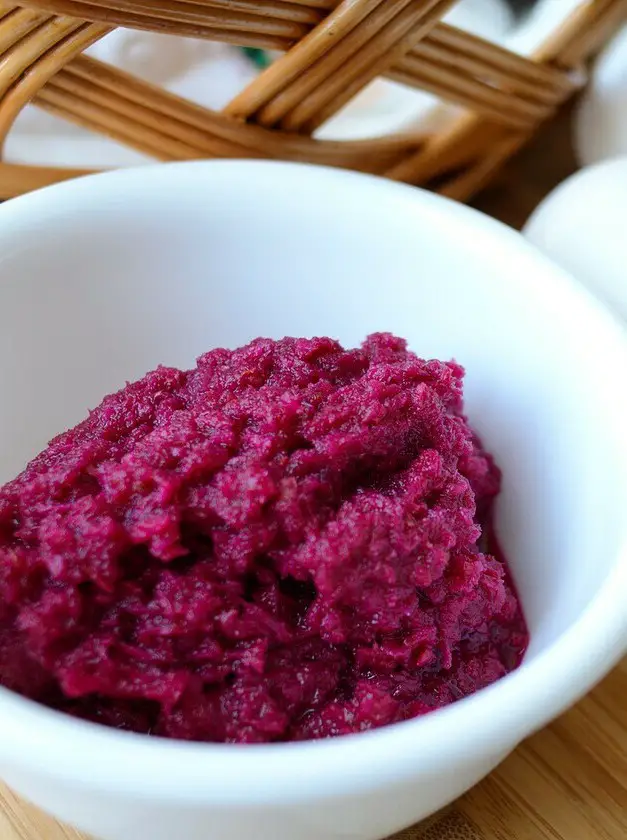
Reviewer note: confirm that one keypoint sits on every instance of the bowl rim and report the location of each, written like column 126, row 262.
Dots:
column 488, row 723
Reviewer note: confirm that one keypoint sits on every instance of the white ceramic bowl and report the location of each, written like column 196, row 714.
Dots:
column 580, row 225
column 106, row 277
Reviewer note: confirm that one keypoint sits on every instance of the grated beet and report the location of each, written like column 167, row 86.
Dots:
column 282, row 543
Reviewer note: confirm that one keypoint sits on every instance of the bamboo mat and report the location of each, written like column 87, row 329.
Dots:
column 569, row 782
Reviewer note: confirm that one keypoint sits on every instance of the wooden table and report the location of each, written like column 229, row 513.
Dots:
column 570, row 781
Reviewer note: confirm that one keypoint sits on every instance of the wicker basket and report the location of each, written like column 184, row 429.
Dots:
column 331, row 51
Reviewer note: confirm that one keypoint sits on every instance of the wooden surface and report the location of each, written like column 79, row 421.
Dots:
column 569, row 782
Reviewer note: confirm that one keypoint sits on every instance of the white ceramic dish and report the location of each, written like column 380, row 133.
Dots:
column 105, row 277
column 600, row 124
column 580, row 225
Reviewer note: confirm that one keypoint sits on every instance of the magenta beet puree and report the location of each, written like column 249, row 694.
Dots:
column 283, row 543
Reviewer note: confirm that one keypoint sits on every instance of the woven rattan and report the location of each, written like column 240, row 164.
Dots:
column 331, row 51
